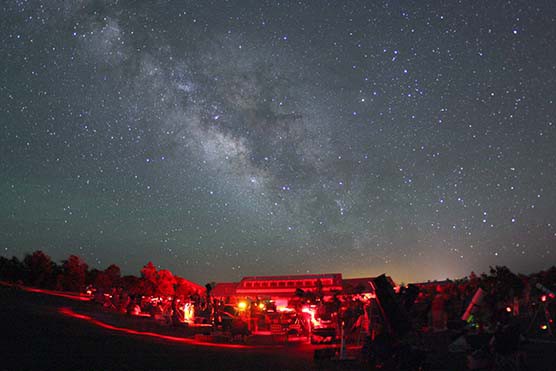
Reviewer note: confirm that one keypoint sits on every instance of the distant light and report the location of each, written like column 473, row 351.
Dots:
column 282, row 308
column 508, row 309
column 242, row 305
column 543, row 298
column 544, row 327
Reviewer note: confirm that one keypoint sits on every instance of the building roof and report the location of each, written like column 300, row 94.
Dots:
column 278, row 285
column 292, row 277
column 287, row 285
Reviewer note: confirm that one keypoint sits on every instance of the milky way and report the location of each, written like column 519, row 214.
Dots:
column 223, row 139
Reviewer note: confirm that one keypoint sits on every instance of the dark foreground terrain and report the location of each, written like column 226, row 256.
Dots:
column 35, row 335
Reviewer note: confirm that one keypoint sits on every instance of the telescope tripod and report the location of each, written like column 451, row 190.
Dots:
column 547, row 317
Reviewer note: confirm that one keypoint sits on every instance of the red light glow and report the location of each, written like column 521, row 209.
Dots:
column 312, row 312
column 189, row 312
column 70, row 313
column 284, row 309
column 57, row 293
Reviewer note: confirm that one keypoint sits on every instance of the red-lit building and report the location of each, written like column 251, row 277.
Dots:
column 280, row 288
column 274, row 309
column 286, row 286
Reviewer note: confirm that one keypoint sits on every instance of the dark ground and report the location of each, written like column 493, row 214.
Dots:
column 36, row 336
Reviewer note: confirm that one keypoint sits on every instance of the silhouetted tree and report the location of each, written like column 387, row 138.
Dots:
column 183, row 287
column 505, row 283
column 548, row 277
column 114, row 275
column 133, row 285
column 148, row 279
column 165, row 283
column 74, row 272
column 4, row 268
column 102, row 280
column 38, row 269
column 11, row 269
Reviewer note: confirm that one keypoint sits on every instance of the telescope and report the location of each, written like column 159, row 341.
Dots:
column 475, row 302
column 546, row 290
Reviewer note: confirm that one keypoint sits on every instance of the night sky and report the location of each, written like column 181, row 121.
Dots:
column 221, row 139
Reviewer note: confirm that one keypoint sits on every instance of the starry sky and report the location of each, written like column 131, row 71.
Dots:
column 221, row 139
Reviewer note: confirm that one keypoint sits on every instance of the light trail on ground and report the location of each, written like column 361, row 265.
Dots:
column 47, row 292
column 55, row 293
column 70, row 313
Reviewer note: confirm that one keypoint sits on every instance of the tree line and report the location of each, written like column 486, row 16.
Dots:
column 73, row 274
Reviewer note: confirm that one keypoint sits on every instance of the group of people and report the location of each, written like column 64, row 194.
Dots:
column 439, row 307
column 170, row 310
column 489, row 316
